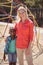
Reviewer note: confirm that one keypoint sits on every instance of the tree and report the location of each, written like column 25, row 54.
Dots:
column 34, row 3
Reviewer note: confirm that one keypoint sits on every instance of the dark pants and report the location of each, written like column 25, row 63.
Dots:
column 12, row 58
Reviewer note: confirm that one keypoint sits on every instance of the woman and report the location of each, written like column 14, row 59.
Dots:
column 24, row 32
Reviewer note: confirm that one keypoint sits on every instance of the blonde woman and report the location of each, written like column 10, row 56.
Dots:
column 24, row 32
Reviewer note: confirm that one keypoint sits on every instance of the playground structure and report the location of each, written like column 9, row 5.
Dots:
column 37, row 46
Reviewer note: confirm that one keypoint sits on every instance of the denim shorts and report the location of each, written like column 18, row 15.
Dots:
column 12, row 57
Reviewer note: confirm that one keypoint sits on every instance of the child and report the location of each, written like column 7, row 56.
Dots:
column 10, row 47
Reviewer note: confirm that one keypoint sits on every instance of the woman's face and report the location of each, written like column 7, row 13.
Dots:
column 22, row 13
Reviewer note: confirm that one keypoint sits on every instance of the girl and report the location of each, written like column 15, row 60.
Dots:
column 10, row 47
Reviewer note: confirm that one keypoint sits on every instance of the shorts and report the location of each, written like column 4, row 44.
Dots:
column 12, row 57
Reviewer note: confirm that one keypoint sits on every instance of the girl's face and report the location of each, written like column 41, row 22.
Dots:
column 12, row 33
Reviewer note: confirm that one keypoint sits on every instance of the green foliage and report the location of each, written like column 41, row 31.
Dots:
column 31, row 3
column 34, row 3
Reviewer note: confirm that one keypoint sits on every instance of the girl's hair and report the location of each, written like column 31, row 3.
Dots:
column 12, row 30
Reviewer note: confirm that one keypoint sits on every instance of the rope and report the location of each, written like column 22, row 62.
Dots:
column 10, row 6
column 6, row 15
column 5, row 30
column 4, row 18
column 35, row 23
column 11, row 9
column 9, row 17
column 37, row 37
column 39, row 46
column 33, row 17
column 3, row 14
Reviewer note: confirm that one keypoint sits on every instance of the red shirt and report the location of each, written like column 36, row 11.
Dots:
column 24, row 33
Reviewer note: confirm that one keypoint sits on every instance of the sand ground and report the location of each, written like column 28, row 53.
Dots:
column 36, row 51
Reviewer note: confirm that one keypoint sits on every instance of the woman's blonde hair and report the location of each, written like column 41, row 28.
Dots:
column 22, row 8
